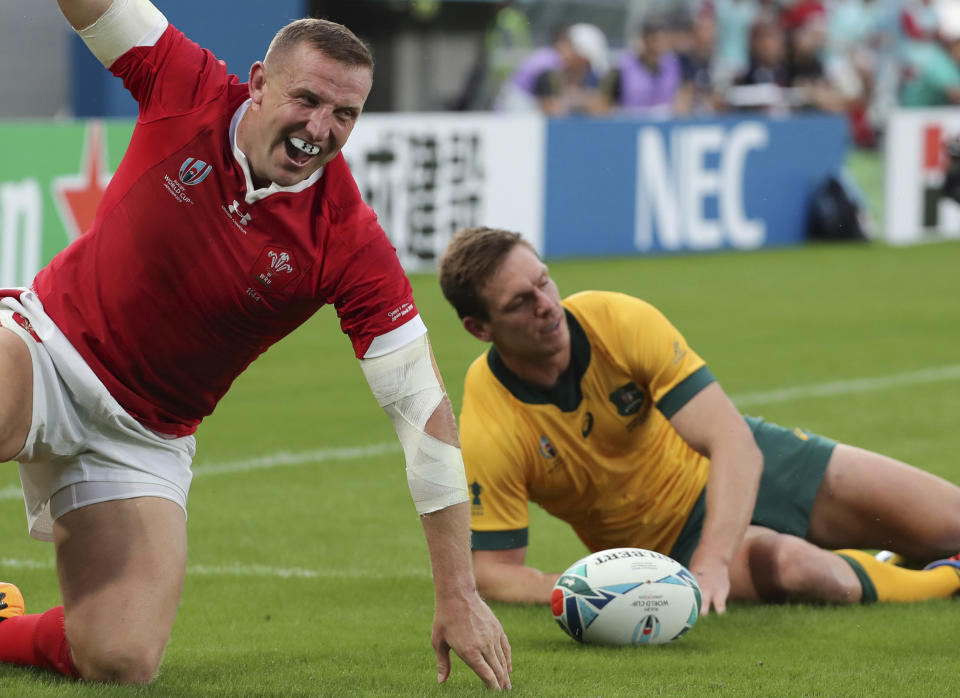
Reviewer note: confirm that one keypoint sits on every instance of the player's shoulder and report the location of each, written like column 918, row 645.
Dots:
column 342, row 206
column 489, row 422
column 175, row 76
column 340, row 191
column 479, row 376
column 605, row 304
column 484, row 396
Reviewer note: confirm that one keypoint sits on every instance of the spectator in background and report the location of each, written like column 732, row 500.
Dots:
column 505, row 43
column 859, row 61
column 918, row 21
column 931, row 75
column 795, row 14
column 646, row 78
column 762, row 84
column 698, row 93
column 559, row 79
column 812, row 88
column 734, row 19
column 786, row 74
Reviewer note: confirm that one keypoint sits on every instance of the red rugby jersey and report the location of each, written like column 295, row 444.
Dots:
column 185, row 276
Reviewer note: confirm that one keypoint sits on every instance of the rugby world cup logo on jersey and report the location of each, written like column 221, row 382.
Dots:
column 546, row 448
column 275, row 268
column 193, row 171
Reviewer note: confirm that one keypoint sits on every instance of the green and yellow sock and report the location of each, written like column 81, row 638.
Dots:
column 885, row 582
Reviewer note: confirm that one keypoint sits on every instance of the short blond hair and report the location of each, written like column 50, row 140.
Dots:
column 472, row 257
column 333, row 40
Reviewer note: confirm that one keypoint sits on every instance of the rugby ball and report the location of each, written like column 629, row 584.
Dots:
column 626, row 596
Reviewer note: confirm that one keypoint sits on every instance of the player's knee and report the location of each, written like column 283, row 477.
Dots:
column 951, row 533
column 935, row 537
column 796, row 570
column 809, row 573
column 121, row 663
column 793, row 566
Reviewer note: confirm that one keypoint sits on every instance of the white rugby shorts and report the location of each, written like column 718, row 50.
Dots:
column 83, row 447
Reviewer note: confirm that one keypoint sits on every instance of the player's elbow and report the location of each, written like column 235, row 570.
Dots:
column 510, row 582
column 488, row 581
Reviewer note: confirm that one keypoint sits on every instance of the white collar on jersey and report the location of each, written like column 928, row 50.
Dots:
column 257, row 194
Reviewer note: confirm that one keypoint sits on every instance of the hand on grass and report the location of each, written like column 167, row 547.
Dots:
column 469, row 628
column 713, row 575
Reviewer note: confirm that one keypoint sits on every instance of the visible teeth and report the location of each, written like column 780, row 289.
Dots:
column 308, row 148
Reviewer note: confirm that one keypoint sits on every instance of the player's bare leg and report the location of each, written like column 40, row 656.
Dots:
column 16, row 394
column 777, row 567
column 121, row 566
column 868, row 500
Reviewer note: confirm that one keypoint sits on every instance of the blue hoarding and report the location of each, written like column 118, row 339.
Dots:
column 623, row 186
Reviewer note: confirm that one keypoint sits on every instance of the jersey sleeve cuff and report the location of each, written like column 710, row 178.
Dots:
column 499, row 540
column 684, row 391
column 394, row 339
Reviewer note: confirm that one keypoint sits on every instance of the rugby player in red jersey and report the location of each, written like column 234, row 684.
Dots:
column 232, row 218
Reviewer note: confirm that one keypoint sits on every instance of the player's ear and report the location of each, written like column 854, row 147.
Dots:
column 477, row 328
column 257, row 80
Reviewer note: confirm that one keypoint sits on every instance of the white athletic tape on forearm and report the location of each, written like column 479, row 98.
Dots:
column 126, row 24
column 406, row 387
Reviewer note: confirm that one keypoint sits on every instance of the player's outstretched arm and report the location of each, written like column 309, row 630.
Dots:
column 408, row 385
column 502, row 576
column 462, row 621
column 711, row 424
column 82, row 13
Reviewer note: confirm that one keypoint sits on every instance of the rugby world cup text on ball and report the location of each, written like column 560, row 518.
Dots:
column 655, row 602
column 621, row 554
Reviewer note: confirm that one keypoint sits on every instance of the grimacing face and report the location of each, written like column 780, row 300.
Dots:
column 304, row 107
column 526, row 319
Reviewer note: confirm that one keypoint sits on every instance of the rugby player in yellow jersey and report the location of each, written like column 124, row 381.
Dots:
column 596, row 408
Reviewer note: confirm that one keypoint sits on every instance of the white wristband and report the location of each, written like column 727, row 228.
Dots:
column 126, row 24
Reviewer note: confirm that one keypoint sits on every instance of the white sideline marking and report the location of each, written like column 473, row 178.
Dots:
column 244, row 570
column 847, row 387
column 298, row 458
column 277, row 460
column 11, row 492
column 833, row 388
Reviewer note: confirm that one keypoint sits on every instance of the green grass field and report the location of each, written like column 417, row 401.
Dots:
column 308, row 574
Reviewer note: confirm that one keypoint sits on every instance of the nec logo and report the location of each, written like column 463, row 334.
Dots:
column 234, row 209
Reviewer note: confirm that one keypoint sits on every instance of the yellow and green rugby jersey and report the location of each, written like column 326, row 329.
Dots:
column 597, row 450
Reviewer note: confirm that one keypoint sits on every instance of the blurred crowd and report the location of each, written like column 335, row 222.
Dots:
column 859, row 58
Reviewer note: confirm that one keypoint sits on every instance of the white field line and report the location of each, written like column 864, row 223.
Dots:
column 276, row 460
column 296, row 458
column 10, row 492
column 848, row 387
column 238, row 569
